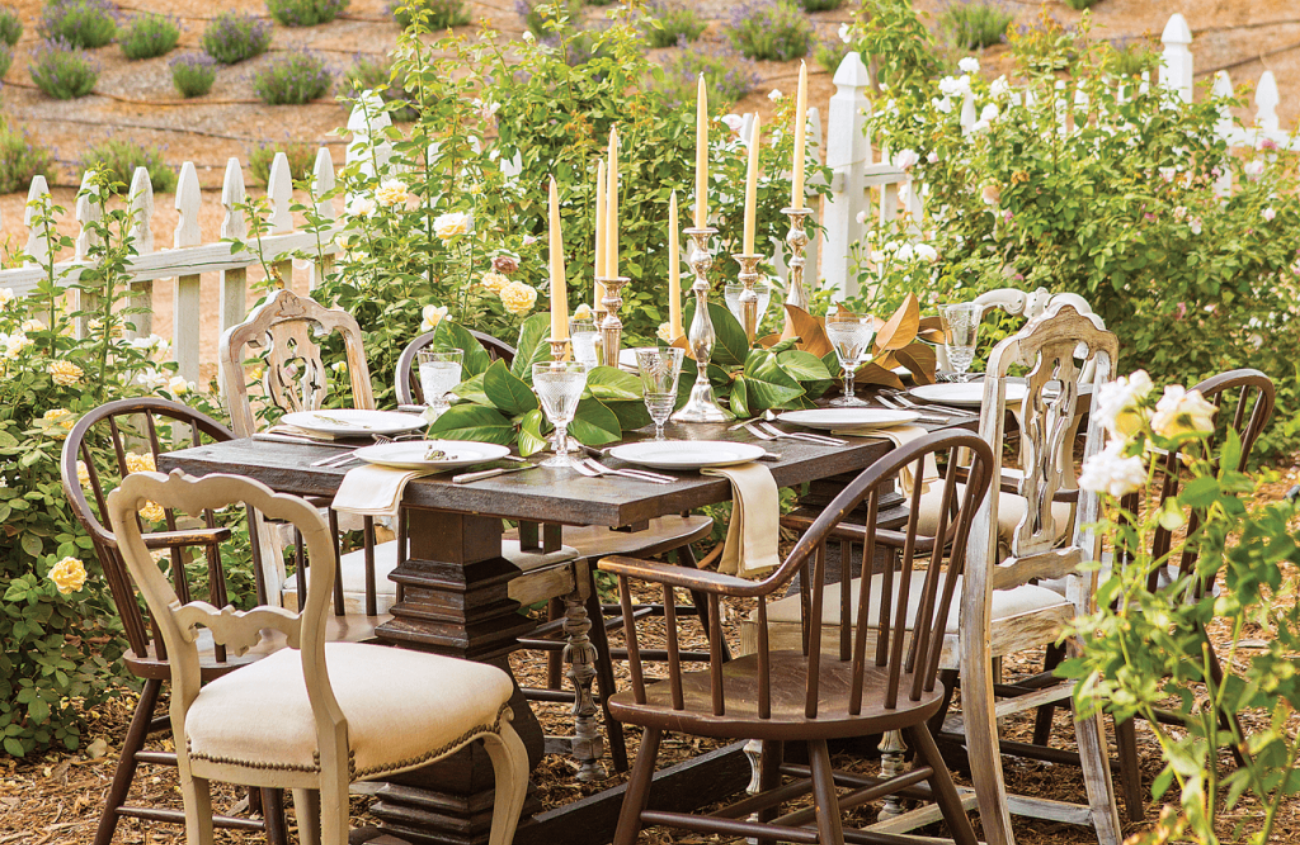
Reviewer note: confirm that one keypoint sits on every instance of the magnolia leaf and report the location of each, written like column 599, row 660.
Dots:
column 885, row 360
column 900, row 329
column 683, row 344
column 767, row 385
column 768, row 341
column 803, row 366
column 531, row 439
column 473, row 422
column 610, row 383
column 810, row 329
column 731, row 345
column 930, row 329
column 472, row 390
column 594, row 424
column 532, row 347
column 509, row 393
column 873, row 373
column 448, row 336
column 740, row 398
column 784, row 345
column 920, row 360
column 631, row 414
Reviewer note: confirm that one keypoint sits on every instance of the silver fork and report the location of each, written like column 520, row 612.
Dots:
column 335, row 461
column 806, row 436
column 899, row 397
column 593, row 468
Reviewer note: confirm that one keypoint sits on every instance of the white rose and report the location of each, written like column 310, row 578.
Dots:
column 433, row 315
column 1255, row 168
column 528, row 36
column 846, row 33
column 361, row 207
column 7, row 296
column 861, row 217
column 450, row 225
column 391, row 192
column 178, row 385
column 970, row 64
column 1110, row 472
column 926, row 252
column 932, row 157
column 733, row 122
column 944, row 105
column 1118, row 403
column 949, row 86
column 1181, row 411
column 905, row 253
column 906, row 159
column 1000, row 87
column 775, row 95
column 989, row 113
column 151, row 379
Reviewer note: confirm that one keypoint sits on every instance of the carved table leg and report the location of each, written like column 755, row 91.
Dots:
column 892, row 749
column 580, row 656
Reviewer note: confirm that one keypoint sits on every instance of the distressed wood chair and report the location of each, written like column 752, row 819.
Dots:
column 876, row 673
column 154, row 425
column 344, row 711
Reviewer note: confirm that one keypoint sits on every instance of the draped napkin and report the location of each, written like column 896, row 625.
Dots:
column 311, row 434
column 901, row 435
column 372, row 490
column 752, row 536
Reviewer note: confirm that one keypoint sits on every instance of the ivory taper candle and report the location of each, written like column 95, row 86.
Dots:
column 800, row 129
column 751, row 186
column 674, row 272
column 701, row 155
column 611, row 209
column 559, row 294
column 600, row 237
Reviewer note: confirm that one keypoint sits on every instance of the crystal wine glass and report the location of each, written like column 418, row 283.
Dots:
column 440, row 372
column 585, row 337
column 559, row 386
column 961, row 325
column 850, row 335
column 731, row 293
column 660, row 369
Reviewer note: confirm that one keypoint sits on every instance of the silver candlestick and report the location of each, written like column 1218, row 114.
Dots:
column 749, row 296
column 797, row 239
column 559, row 348
column 702, row 406
column 611, row 327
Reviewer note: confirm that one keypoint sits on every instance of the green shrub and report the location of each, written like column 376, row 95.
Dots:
column 11, row 26
column 560, row 16
column 232, row 37
column 820, row 5
column 21, row 160
column 1080, row 5
column 82, row 23
column 193, row 74
column 436, row 15
column 121, row 156
column 292, row 79
column 375, row 74
column 149, row 35
column 6, row 58
column 301, row 155
column 671, row 22
column 727, row 75
column 975, row 24
column 305, row 12
column 1132, row 56
column 62, row 71
column 770, row 29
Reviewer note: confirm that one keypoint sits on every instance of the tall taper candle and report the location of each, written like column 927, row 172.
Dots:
column 701, row 155
column 600, row 237
column 611, row 209
column 751, row 185
column 674, row 272
column 559, row 293
column 800, row 128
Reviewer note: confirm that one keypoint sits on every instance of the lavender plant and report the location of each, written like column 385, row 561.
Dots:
column 305, row 12
column 371, row 74
column 820, row 5
column 301, row 157
column 193, row 74
column 668, row 22
column 149, row 35
column 21, row 160
column 82, row 23
column 545, row 18
column 11, row 26
column 975, row 24
column 434, row 15
column 120, row 157
column 770, row 29
column 62, row 71
column 232, row 38
column 6, row 59
column 1080, row 5
column 292, row 79
column 728, row 75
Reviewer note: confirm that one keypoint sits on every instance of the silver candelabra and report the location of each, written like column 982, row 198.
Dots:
column 797, row 239
column 749, row 296
column 611, row 327
column 702, row 406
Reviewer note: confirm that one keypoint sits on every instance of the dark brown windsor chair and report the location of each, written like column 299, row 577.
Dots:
column 147, row 656
column 868, row 685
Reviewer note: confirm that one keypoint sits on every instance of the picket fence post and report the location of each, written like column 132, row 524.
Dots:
column 848, row 152
column 1176, row 60
column 234, row 283
column 87, row 214
column 322, row 183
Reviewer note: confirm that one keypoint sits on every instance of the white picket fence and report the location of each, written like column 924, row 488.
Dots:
column 865, row 187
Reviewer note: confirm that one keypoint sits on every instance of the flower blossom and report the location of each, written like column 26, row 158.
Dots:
column 991, row 194
column 970, row 64
column 518, row 298
column 846, row 33
column 1194, row 223
column 68, row 575
column 1266, row 144
column 1255, row 168
column 505, row 264
column 989, row 113
column 361, row 207
column 1110, row 472
column 494, row 281
column 178, row 385
column 65, row 373
column 733, row 122
column 7, row 296
column 58, row 422
column 1000, row 87
column 926, row 252
column 583, row 312
column 944, row 105
column 433, row 315
column 775, row 94
column 83, row 474
column 904, row 252
column 448, row 226
column 1181, row 411
column 151, row 379
column 906, row 159
column 951, row 87
column 1119, row 403
column 137, row 462
column 391, row 192
column 861, row 217
column 1269, row 213
column 665, row 333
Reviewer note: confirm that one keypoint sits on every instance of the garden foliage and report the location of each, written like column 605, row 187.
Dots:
column 305, row 12
column 62, row 71
column 11, row 26
column 21, row 159
column 292, row 79
column 148, row 35
column 777, row 30
column 436, row 15
column 376, row 74
column 193, row 74
column 975, row 24
column 232, row 37
column 119, row 156
column 81, row 23
column 301, row 155
column 669, row 23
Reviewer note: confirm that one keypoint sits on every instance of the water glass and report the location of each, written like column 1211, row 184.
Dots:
column 584, row 337
column 732, row 293
column 961, row 325
column 559, row 386
column 850, row 335
column 660, row 369
column 439, row 374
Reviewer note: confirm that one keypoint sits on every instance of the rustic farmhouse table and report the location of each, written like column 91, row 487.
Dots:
column 455, row 602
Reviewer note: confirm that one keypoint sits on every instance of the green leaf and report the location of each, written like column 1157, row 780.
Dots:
column 610, row 383
column 32, row 544
column 631, row 415
column 740, row 398
column 1200, row 492
column 472, row 390
column 532, row 346
column 767, row 384
column 531, row 439
column 451, row 335
column 474, row 422
column 1162, row 783
column 803, row 366
column 7, row 440
column 14, row 747
column 39, row 710
column 731, row 346
column 510, row 394
column 594, row 424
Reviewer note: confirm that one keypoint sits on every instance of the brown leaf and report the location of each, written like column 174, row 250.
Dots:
column 682, row 343
column 810, row 329
column 885, row 360
column 771, row 340
column 930, row 329
column 920, row 360
column 873, row 373
column 900, row 329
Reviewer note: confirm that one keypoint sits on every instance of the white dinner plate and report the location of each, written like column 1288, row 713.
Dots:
column 627, row 360
column 349, row 422
column 831, row 419
column 963, row 395
column 415, row 454
column 687, row 454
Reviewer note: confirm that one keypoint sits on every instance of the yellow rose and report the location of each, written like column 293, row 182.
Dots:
column 583, row 312
column 69, row 575
column 1181, row 411
column 665, row 333
column 494, row 282
column 391, row 192
column 65, row 373
column 152, row 512
column 178, row 385
column 433, row 315
column 7, row 296
column 518, row 298
column 139, row 463
column 64, row 419
column 450, row 225
column 83, row 474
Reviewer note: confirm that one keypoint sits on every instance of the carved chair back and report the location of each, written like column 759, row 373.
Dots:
column 407, row 377
column 135, row 432
column 906, row 654
column 282, row 331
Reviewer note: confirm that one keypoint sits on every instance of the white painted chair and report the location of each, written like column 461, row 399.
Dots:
column 344, row 711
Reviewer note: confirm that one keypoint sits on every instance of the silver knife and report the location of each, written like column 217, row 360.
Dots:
column 469, row 477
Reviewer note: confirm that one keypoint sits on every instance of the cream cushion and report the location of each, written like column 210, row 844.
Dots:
column 259, row 715
column 1011, row 509
column 1006, row 603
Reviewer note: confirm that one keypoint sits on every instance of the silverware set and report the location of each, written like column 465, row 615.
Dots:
column 593, row 468
column 767, row 431
column 897, row 400
column 471, row 477
column 336, row 461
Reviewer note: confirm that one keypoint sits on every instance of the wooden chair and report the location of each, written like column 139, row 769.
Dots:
column 115, row 425
column 876, row 673
column 344, row 711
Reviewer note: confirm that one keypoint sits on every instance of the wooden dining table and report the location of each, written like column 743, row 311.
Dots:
column 455, row 602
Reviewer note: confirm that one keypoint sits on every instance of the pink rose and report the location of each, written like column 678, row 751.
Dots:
column 505, row 264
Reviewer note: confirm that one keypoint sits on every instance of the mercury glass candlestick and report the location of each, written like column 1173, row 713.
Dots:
column 749, row 297
column 702, row 406
column 559, row 348
column 797, row 239
column 611, row 327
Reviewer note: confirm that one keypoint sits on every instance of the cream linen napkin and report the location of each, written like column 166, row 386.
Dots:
column 372, row 490
column 901, row 435
column 752, row 536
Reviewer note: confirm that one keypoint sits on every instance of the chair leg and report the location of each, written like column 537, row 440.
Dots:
column 1095, row 761
column 306, row 810
column 945, row 794
column 638, row 789
column 510, row 764
column 982, row 749
column 198, row 809
column 1130, row 770
column 1043, row 718
column 554, row 668
column 605, row 683
column 580, row 656
column 126, row 764
column 277, row 831
column 826, row 802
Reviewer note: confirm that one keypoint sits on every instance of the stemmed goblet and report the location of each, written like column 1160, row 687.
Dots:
column 660, row 369
column 961, row 326
column 850, row 336
column 559, row 386
column 440, row 372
